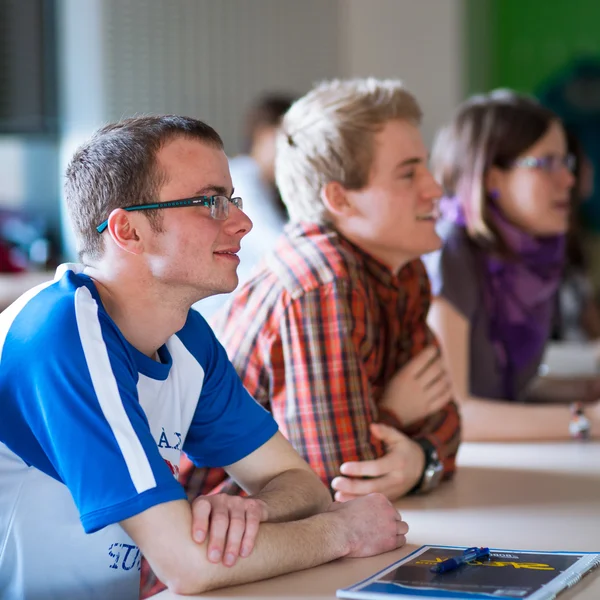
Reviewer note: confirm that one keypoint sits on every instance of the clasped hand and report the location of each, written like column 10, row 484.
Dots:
column 394, row 474
column 231, row 524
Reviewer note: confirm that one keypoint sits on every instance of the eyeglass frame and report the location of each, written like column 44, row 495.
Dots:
column 195, row 201
column 569, row 162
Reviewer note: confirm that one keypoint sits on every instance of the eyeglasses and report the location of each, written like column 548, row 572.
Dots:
column 219, row 206
column 549, row 164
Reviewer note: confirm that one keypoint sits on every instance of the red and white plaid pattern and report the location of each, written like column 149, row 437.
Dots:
column 316, row 335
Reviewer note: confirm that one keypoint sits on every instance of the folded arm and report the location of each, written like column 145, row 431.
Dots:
column 486, row 419
column 163, row 533
column 276, row 474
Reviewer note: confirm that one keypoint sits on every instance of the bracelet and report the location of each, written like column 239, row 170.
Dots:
column 579, row 425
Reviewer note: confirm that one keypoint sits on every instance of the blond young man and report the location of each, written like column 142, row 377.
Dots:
column 334, row 339
column 106, row 375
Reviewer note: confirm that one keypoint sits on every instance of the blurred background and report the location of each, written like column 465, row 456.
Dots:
column 69, row 66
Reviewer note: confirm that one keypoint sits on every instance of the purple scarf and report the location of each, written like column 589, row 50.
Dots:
column 519, row 292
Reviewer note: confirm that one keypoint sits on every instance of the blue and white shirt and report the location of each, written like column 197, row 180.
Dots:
column 91, row 432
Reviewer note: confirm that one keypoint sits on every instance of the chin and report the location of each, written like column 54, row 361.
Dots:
column 553, row 229
column 431, row 244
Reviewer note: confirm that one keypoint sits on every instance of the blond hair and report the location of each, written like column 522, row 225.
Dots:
column 327, row 135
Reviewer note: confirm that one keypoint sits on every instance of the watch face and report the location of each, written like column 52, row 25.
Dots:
column 433, row 474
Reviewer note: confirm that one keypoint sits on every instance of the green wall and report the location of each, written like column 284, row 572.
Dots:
column 521, row 43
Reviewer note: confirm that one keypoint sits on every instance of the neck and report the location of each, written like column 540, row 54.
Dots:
column 394, row 261
column 147, row 314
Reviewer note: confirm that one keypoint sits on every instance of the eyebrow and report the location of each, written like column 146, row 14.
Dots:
column 217, row 190
column 409, row 162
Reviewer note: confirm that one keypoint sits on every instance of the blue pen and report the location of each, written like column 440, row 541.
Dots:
column 467, row 556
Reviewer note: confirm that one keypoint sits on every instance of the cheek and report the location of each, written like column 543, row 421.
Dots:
column 527, row 196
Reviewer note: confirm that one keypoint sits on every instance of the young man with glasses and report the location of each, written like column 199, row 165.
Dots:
column 106, row 376
column 335, row 341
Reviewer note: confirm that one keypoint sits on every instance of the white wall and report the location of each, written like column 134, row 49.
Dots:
column 210, row 58
column 419, row 41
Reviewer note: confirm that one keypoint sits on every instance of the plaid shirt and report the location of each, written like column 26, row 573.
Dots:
column 316, row 336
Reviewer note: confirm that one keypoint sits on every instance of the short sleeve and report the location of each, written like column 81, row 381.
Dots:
column 228, row 423
column 452, row 272
column 72, row 410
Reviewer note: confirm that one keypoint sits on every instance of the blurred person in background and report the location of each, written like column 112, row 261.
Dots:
column 505, row 167
column 335, row 341
column 253, row 175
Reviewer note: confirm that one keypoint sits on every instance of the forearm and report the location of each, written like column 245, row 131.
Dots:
column 293, row 495
column 561, row 389
column 486, row 420
column 183, row 566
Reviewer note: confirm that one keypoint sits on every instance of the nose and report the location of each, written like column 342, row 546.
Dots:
column 238, row 221
column 431, row 188
column 567, row 179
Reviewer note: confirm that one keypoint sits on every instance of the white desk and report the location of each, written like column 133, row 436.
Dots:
column 521, row 496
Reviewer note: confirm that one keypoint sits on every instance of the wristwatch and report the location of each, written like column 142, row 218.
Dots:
column 432, row 471
column 579, row 425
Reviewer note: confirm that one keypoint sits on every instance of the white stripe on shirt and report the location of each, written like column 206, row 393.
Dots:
column 107, row 391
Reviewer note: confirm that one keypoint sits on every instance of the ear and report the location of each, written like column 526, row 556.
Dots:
column 494, row 179
column 123, row 232
column 336, row 199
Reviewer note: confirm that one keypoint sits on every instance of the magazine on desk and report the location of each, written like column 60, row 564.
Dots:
column 505, row 575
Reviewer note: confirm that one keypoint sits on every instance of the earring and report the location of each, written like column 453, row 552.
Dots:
column 494, row 194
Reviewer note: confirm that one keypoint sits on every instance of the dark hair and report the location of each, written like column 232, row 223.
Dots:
column 117, row 167
column 489, row 130
column 266, row 111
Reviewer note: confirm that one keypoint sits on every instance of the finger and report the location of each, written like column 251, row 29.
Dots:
column 253, row 520
column 235, row 533
column 367, row 468
column 219, row 524
column 421, row 361
column 432, row 374
column 401, row 527
column 360, row 487
column 388, row 435
column 439, row 395
column 201, row 508
column 400, row 541
column 343, row 497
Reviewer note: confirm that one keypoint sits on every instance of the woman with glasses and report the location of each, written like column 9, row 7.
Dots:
column 507, row 175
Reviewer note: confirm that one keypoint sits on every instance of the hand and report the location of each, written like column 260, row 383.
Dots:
column 232, row 522
column 419, row 389
column 393, row 475
column 372, row 525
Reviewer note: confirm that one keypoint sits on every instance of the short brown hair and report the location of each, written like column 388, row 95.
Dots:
column 266, row 111
column 117, row 168
column 488, row 130
column 327, row 135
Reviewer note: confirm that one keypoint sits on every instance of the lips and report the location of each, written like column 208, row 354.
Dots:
column 230, row 251
column 432, row 215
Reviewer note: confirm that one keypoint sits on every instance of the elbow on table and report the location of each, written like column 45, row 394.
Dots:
column 185, row 583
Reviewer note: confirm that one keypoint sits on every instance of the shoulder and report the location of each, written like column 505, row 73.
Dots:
column 453, row 270
column 308, row 264
column 455, row 259
column 54, row 314
column 310, row 256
